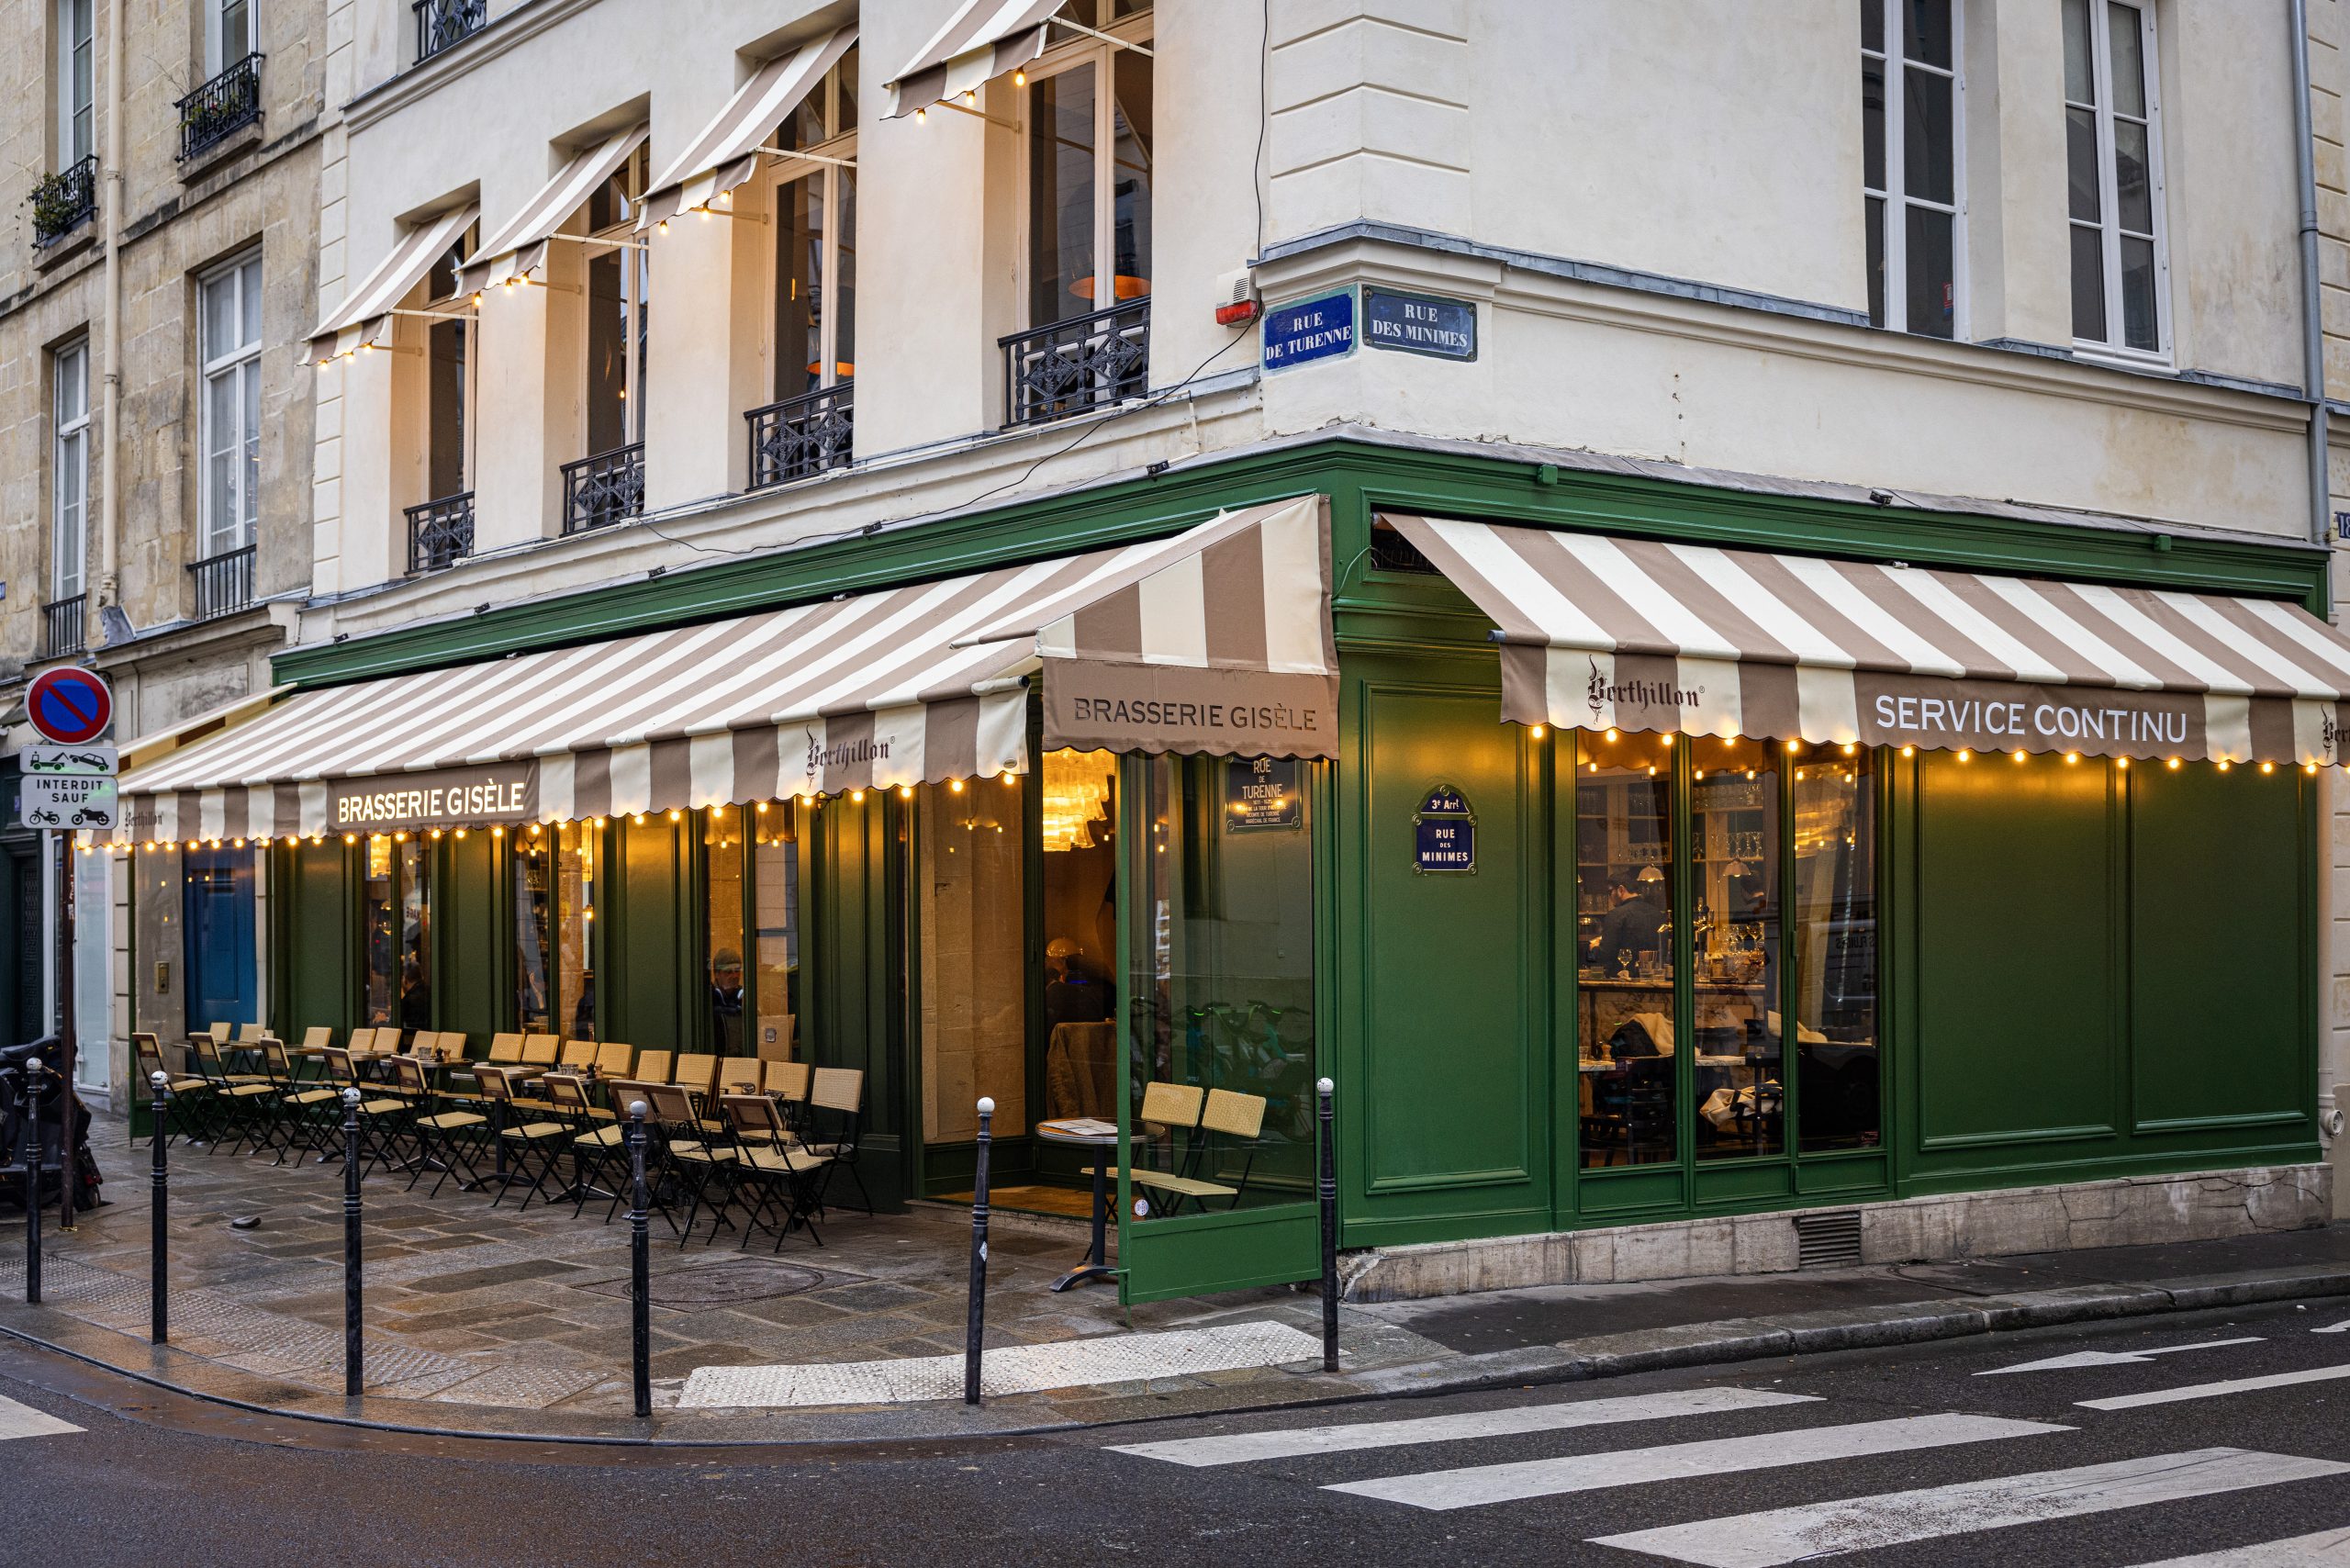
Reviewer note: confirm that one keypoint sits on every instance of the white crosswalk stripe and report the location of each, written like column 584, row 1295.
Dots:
column 1822, row 1529
column 2326, row 1549
column 2214, row 1389
column 1481, row 1484
column 1290, row 1443
column 24, row 1421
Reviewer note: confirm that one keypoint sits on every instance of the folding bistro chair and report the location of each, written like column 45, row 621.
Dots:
column 301, row 1105
column 186, row 1097
column 614, row 1058
column 1226, row 1113
column 220, row 1032
column 1166, row 1109
column 577, row 1055
column 653, row 1067
column 530, row 1143
column 840, row 1090
column 437, row 1129
column 606, row 1147
column 688, row 1155
column 740, row 1075
column 783, row 1177
column 236, row 1096
column 695, row 1074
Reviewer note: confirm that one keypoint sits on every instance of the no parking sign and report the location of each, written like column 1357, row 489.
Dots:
column 71, row 707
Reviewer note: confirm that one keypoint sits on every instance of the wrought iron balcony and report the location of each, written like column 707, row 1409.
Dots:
column 440, row 534
column 220, row 108
column 800, row 436
column 606, row 488
column 1069, row 367
column 61, row 626
column 224, row 583
column 65, row 200
column 442, row 24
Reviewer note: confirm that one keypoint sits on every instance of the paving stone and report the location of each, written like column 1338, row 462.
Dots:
column 506, row 1273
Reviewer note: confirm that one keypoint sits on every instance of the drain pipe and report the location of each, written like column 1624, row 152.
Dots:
column 109, row 491
column 2312, row 322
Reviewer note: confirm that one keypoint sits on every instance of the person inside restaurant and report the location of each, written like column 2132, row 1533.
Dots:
column 1635, row 923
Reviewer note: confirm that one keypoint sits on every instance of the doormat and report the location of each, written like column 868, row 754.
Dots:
column 725, row 1284
column 1066, row 1201
column 1017, row 1369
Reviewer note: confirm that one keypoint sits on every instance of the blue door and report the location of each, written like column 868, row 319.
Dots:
column 216, row 910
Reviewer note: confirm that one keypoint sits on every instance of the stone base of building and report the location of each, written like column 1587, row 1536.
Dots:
column 2132, row 1211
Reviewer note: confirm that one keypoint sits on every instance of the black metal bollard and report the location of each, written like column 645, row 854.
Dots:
column 354, row 1375
column 159, row 1311
column 1325, row 1114
column 974, row 1328
column 639, row 1265
column 33, row 1161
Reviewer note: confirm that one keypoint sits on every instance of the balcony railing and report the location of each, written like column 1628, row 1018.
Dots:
column 220, row 108
column 61, row 626
column 224, row 583
column 606, row 488
column 1087, row 362
column 65, row 200
column 440, row 24
column 440, row 534
column 800, row 436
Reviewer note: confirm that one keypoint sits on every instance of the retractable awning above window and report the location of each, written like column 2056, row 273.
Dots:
column 519, row 250
column 1639, row 634
column 982, row 40
column 905, row 686
column 726, row 153
column 366, row 310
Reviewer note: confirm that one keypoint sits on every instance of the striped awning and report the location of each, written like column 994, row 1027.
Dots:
column 366, row 310
column 519, row 249
column 1638, row 635
column 982, row 40
column 726, row 153
column 905, row 686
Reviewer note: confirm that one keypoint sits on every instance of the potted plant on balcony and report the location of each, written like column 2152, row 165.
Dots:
column 59, row 202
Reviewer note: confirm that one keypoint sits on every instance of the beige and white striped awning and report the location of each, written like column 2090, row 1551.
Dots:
column 519, row 250
column 904, row 686
column 1638, row 635
column 367, row 309
column 726, row 153
column 982, row 40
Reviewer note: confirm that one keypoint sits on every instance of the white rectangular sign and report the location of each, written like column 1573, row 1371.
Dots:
column 49, row 761
column 69, row 801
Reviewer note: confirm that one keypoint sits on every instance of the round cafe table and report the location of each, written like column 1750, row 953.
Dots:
column 1090, row 1132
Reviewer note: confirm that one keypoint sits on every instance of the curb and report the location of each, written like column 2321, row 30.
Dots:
column 1722, row 1343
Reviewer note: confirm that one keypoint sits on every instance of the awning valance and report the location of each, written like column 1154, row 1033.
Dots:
column 905, row 686
column 726, row 153
column 519, row 249
column 982, row 40
column 367, row 309
column 1639, row 634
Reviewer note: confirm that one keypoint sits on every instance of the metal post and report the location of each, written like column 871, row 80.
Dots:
column 67, row 1166
column 353, row 1370
column 1325, row 1114
column 639, row 1265
column 975, row 1327
column 33, row 1161
column 159, row 1312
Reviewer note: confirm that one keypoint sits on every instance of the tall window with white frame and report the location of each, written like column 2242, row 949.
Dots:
column 69, row 496
column 76, row 134
column 1910, row 117
column 441, row 527
column 228, row 34
column 1086, row 244
column 2113, row 166
column 813, row 340
column 230, row 430
column 609, row 484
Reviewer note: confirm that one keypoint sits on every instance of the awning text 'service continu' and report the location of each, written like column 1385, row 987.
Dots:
column 1641, row 635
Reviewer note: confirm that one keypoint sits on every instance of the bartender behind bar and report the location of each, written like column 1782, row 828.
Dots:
column 1634, row 921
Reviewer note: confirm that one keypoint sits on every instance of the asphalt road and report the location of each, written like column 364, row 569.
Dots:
column 1908, row 1456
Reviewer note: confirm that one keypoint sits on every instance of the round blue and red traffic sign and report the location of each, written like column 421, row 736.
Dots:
column 68, row 707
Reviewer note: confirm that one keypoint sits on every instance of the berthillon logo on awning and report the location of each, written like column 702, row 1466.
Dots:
column 822, row 758
column 1600, row 691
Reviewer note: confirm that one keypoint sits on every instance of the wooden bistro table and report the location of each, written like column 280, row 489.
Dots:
column 1090, row 1132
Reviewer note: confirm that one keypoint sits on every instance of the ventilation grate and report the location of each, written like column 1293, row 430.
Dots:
column 1390, row 551
column 1829, row 1241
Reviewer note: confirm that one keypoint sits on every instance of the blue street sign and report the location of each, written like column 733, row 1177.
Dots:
column 1305, row 329
column 1419, row 323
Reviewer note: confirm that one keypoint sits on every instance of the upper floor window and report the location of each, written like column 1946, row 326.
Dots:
column 228, row 33
column 229, row 417
column 1089, row 170
column 815, row 254
column 76, row 136
column 1910, row 116
column 449, row 381
column 618, row 313
column 2113, row 166
column 69, row 470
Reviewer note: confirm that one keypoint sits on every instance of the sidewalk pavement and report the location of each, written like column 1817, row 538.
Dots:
column 484, row 1321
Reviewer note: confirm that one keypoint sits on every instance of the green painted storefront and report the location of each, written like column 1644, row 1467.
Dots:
column 2082, row 972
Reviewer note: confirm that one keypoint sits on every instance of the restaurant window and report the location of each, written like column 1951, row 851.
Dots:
column 1835, row 954
column 449, row 389
column 229, row 417
column 1088, row 170
column 751, row 928
column 618, row 311
column 776, row 870
column 1909, row 127
column 554, row 912
column 971, row 855
column 76, row 138
column 814, row 333
column 70, row 473
column 1623, row 940
column 397, row 922
column 2113, row 165
column 1223, row 957
column 1734, row 856
column 1078, row 809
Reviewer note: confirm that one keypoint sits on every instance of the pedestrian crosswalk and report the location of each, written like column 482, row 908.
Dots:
column 24, row 1421
column 1772, row 1433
